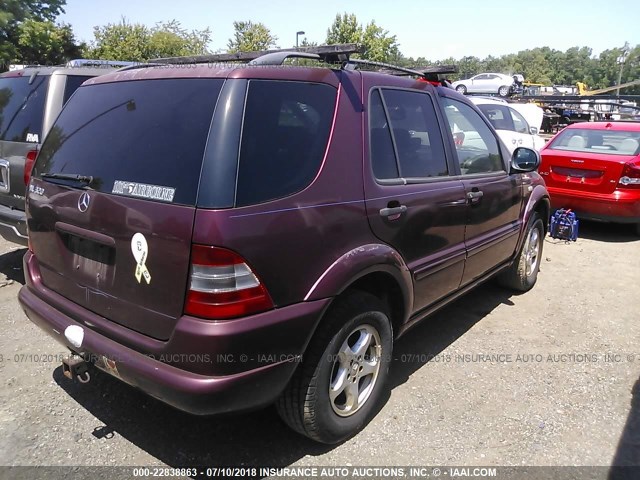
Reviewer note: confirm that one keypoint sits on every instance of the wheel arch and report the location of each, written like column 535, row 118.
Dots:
column 375, row 268
column 538, row 203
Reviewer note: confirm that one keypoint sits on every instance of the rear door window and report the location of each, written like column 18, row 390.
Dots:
column 403, row 126
column 22, row 108
column 284, row 137
column 143, row 139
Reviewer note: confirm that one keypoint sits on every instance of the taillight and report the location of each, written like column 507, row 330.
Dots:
column 458, row 138
column 28, row 165
column 630, row 177
column 222, row 285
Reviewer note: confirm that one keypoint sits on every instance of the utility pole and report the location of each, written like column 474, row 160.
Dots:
column 621, row 59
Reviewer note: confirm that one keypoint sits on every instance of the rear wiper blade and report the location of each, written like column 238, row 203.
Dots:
column 69, row 176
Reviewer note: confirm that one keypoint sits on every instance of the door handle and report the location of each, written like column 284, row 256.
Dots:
column 454, row 203
column 390, row 211
column 475, row 196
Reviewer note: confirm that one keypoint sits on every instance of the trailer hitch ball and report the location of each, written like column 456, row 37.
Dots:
column 74, row 367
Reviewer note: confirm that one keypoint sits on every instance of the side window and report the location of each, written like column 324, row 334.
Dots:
column 519, row 123
column 383, row 157
column 477, row 148
column 72, row 84
column 417, row 140
column 284, row 137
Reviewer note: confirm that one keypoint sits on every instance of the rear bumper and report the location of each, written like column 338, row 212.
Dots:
column 620, row 206
column 258, row 378
column 13, row 225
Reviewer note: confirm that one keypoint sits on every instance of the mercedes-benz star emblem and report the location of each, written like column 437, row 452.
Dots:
column 83, row 202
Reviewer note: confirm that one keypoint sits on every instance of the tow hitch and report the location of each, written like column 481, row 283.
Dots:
column 75, row 367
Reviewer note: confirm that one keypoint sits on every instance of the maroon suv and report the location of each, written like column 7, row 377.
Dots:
column 226, row 238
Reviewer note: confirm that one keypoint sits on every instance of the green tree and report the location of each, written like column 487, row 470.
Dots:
column 170, row 39
column 137, row 42
column 377, row 44
column 251, row 37
column 46, row 43
column 468, row 67
column 344, row 29
column 13, row 13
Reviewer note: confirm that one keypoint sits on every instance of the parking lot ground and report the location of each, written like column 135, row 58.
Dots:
column 543, row 378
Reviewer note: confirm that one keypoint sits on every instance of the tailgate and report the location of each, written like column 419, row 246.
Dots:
column 111, row 202
column 92, row 258
column 598, row 173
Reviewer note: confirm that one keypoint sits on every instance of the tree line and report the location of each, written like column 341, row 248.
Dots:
column 29, row 34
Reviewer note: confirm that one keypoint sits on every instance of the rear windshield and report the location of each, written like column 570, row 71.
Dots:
column 22, row 108
column 142, row 139
column 597, row 141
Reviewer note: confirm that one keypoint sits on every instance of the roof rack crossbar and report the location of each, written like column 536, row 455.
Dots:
column 327, row 53
column 428, row 73
column 357, row 61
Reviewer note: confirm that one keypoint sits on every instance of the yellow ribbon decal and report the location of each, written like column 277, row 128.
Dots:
column 140, row 250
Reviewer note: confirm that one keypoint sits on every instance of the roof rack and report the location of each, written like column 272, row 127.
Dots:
column 339, row 54
column 90, row 62
column 326, row 53
column 431, row 74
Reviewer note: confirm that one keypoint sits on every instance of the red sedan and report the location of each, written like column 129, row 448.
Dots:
column 594, row 169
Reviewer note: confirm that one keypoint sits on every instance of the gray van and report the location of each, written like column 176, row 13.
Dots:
column 30, row 101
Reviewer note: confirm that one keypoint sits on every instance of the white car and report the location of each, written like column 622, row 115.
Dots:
column 486, row 83
column 517, row 124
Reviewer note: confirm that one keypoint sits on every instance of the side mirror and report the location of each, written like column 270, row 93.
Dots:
column 533, row 130
column 524, row 160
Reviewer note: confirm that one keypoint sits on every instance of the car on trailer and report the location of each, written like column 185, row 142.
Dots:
column 487, row 83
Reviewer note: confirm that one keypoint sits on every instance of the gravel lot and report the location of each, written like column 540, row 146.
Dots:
column 494, row 379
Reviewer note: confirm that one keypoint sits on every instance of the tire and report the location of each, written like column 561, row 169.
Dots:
column 523, row 273
column 461, row 89
column 638, row 229
column 306, row 404
column 503, row 91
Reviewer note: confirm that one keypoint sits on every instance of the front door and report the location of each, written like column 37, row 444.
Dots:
column 494, row 197
column 413, row 204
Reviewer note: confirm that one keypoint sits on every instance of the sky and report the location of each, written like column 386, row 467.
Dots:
column 431, row 29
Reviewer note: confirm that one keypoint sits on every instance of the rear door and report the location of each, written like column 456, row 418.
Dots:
column 494, row 197
column 413, row 204
column 112, row 199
